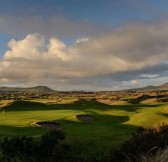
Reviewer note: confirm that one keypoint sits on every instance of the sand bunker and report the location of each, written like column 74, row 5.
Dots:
column 47, row 125
column 85, row 117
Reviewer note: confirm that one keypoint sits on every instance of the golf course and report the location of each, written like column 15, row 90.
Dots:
column 109, row 125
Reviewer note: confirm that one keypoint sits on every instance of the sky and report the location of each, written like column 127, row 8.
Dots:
column 82, row 44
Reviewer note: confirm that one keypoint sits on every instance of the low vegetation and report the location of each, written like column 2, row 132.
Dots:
column 47, row 148
column 146, row 145
column 160, row 156
column 97, row 126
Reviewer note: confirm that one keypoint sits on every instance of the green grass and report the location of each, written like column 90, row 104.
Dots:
column 113, row 124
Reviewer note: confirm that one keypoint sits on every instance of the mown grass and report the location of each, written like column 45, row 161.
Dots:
column 113, row 124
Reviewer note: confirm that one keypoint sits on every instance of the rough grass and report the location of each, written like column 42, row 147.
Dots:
column 113, row 124
column 161, row 156
column 4, row 103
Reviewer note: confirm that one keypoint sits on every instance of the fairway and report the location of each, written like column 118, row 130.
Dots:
column 112, row 125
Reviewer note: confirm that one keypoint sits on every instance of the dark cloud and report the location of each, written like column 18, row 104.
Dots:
column 157, row 71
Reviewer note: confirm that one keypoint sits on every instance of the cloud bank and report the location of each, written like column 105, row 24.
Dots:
column 98, row 61
column 59, row 25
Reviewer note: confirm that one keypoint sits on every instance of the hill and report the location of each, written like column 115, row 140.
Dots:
column 37, row 89
column 45, row 89
column 162, row 87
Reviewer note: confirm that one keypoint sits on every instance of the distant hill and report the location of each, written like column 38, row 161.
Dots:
column 38, row 89
column 45, row 89
column 161, row 87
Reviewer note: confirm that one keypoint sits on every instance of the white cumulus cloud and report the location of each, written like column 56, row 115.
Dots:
column 128, row 48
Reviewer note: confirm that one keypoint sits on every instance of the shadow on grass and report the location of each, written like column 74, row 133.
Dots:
column 26, row 131
column 106, row 130
column 77, row 105
column 104, row 126
column 163, row 114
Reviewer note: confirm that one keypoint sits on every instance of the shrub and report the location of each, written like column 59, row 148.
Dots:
column 161, row 156
column 50, row 141
column 18, row 148
column 145, row 141
column 28, row 149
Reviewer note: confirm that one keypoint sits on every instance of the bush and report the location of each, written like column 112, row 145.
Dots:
column 18, row 148
column 161, row 156
column 28, row 149
column 145, row 141
column 50, row 141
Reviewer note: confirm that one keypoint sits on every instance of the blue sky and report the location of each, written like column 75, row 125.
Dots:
column 83, row 21
column 106, row 12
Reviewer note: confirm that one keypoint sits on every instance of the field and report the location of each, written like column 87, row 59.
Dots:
column 113, row 123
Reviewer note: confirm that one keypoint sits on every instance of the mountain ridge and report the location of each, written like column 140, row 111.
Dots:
column 36, row 89
column 45, row 89
column 161, row 87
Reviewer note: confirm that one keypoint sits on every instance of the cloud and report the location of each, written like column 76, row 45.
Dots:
column 150, row 76
column 94, row 62
column 82, row 40
column 134, row 81
column 60, row 26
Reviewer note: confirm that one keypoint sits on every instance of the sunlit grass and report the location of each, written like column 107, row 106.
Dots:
column 113, row 124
